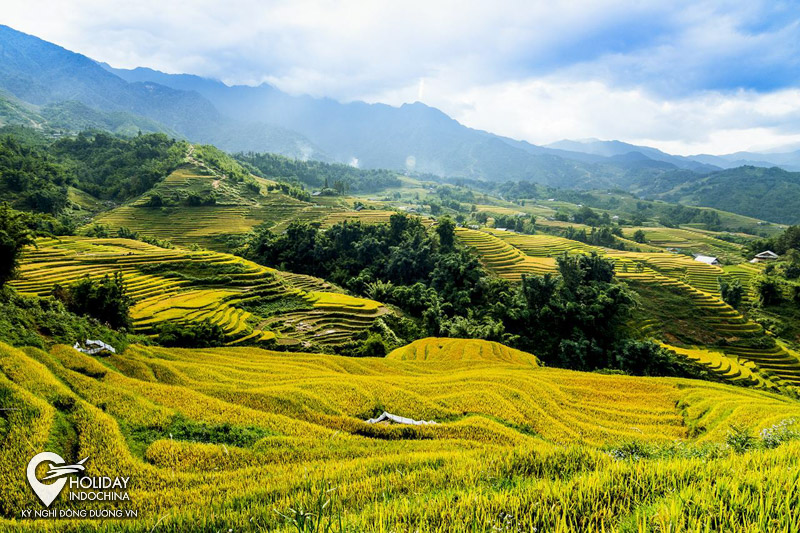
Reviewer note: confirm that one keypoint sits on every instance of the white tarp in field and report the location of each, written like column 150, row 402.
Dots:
column 389, row 417
column 93, row 347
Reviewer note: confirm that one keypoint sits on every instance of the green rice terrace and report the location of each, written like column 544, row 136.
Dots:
column 235, row 209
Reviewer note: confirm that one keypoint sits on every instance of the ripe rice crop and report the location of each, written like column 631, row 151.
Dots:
column 186, row 287
column 692, row 287
column 446, row 349
column 242, row 438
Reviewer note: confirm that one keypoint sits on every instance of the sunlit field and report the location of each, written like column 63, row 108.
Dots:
column 241, row 438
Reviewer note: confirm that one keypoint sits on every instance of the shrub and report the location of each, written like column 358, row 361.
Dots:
column 784, row 431
column 732, row 293
column 106, row 300
column 739, row 439
column 374, row 346
column 14, row 236
column 204, row 334
column 633, row 450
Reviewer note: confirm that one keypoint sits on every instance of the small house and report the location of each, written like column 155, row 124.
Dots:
column 768, row 255
column 707, row 259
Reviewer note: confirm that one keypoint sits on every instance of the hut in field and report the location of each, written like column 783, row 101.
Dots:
column 707, row 259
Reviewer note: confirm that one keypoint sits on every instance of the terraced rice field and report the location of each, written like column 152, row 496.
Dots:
column 745, row 273
column 178, row 184
column 695, row 273
column 366, row 216
column 541, row 245
column 726, row 367
column 447, row 349
column 681, row 267
column 246, row 439
column 185, row 287
column 695, row 241
column 695, row 284
column 238, row 209
column 735, row 336
column 205, row 224
column 501, row 258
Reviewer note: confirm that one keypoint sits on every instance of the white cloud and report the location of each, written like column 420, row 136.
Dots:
column 546, row 110
column 665, row 72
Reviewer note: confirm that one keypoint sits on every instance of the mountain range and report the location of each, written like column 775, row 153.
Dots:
column 46, row 86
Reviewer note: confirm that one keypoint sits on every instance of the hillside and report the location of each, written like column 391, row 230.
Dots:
column 679, row 302
column 769, row 193
column 73, row 117
column 284, row 433
column 410, row 138
column 300, row 280
column 41, row 73
column 458, row 350
column 201, row 204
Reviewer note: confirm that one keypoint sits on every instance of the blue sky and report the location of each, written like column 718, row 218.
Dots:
column 687, row 77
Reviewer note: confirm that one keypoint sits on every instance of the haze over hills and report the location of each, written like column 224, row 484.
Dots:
column 413, row 136
column 702, row 162
column 45, row 85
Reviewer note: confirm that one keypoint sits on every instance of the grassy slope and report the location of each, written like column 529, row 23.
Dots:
column 238, row 209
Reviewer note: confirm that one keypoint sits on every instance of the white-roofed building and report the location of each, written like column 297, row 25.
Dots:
column 707, row 259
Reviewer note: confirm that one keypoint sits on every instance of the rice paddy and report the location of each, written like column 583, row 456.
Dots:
column 690, row 240
column 502, row 258
column 447, row 349
column 237, row 209
column 234, row 439
column 680, row 293
column 185, row 287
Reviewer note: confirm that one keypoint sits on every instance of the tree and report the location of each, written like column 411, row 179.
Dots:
column 769, row 291
column 639, row 236
column 203, row 334
column 374, row 346
column 446, row 229
column 106, row 299
column 573, row 320
column 732, row 293
column 14, row 236
column 100, row 231
column 155, row 200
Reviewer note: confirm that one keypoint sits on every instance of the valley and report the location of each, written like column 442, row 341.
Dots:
column 273, row 311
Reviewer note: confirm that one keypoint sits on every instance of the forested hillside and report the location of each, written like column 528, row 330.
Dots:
column 38, row 173
column 769, row 193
